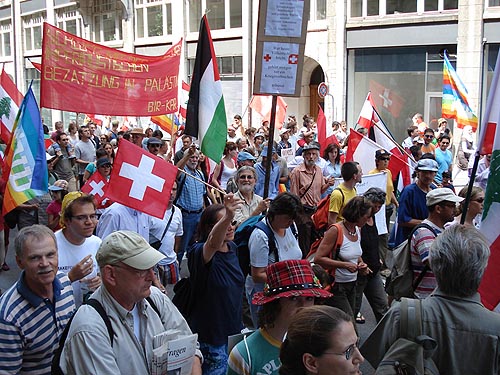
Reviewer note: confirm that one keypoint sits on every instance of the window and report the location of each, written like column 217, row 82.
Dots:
column 494, row 3
column 5, row 33
column 153, row 18
column 107, row 21
column 229, row 67
column 221, row 14
column 69, row 19
column 32, row 26
column 318, row 10
column 364, row 8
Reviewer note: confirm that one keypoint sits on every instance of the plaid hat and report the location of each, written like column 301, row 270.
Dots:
column 127, row 247
column 290, row 278
column 381, row 154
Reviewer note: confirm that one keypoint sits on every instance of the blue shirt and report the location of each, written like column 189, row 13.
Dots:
column 412, row 205
column 219, row 285
column 30, row 326
column 444, row 160
column 274, row 180
column 191, row 190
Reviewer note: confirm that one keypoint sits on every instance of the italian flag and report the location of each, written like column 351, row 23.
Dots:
column 10, row 101
column 206, row 115
column 489, row 143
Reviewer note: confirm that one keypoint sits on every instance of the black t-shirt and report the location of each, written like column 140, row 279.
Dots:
column 369, row 245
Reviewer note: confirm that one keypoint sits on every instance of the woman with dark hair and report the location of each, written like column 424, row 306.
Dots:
column 346, row 262
column 226, row 168
column 332, row 166
column 218, row 280
column 282, row 212
column 371, row 283
column 320, row 340
column 291, row 285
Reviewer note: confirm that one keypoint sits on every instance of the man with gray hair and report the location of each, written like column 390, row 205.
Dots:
column 137, row 312
column 467, row 334
column 36, row 309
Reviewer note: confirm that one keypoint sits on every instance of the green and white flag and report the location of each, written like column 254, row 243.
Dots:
column 206, row 114
column 489, row 143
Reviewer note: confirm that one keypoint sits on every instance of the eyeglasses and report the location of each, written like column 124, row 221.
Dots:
column 445, row 143
column 105, row 166
column 348, row 353
column 479, row 200
column 246, row 177
column 385, row 159
column 233, row 223
column 92, row 217
column 428, row 136
column 141, row 273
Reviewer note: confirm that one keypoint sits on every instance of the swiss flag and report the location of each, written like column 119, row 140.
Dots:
column 324, row 138
column 362, row 149
column 141, row 180
column 386, row 98
column 262, row 105
column 96, row 185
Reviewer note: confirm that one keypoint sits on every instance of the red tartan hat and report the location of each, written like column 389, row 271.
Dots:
column 290, row 278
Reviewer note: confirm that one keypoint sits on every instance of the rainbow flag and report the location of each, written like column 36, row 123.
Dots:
column 165, row 122
column 25, row 160
column 455, row 103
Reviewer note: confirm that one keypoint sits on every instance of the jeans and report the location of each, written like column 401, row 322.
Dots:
column 373, row 288
column 344, row 297
column 189, row 224
column 251, row 288
column 215, row 359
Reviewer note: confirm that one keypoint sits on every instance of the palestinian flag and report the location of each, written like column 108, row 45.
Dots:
column 490, row 144
column 206, row 114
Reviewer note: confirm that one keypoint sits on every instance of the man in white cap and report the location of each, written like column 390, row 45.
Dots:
column 441, row 204
column 412, row 205
column 126, row 263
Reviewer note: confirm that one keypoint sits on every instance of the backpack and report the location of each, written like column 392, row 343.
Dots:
column 242, row 236
column 411, row 353
column 400, row 282
column 320, row 217
column 338, row 244
column 56, row 360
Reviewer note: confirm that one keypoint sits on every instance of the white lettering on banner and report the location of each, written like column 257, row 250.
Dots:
column 21, row 173
column 97, row 188
column 142, row 177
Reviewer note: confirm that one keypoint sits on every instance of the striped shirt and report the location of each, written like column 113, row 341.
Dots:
column 30, row 326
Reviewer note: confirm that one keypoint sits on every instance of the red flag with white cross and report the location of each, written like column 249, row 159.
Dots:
column 96, row 185
column 140, row 180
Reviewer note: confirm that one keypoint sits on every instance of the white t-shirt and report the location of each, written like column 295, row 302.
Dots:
column 174, row 230
column 69, row 255
column 288, row 247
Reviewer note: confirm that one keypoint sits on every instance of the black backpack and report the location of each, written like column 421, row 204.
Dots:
column 56, row 360
column 411, row 353
column 242, row 236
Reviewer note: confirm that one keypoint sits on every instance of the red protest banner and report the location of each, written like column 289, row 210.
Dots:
column 81, row 76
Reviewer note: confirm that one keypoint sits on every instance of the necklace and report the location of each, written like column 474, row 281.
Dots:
column 348, row 231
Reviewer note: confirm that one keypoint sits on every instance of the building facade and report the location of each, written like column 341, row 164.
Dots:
column 391, row 47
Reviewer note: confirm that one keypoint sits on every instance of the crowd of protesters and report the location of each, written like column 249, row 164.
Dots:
column 71, row 250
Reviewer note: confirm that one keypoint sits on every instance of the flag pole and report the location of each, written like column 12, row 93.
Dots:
column 390, row 136
column 270, row 146
column 467, row 199
column 203, row 182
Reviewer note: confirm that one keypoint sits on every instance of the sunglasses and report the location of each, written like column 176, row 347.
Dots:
column 428, row 136
column 445, row 143
column 245, row 177
column 385, row 159
column 479, row 200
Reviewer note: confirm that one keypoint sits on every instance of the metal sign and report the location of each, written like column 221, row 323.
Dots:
column 322, row 90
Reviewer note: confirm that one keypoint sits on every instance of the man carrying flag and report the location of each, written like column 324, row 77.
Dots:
column 206, row 114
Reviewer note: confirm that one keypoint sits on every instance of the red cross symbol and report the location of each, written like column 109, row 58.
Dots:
column 293, row 58
column 267, row 57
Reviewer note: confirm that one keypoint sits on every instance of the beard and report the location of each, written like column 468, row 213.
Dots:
column 244, row 189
